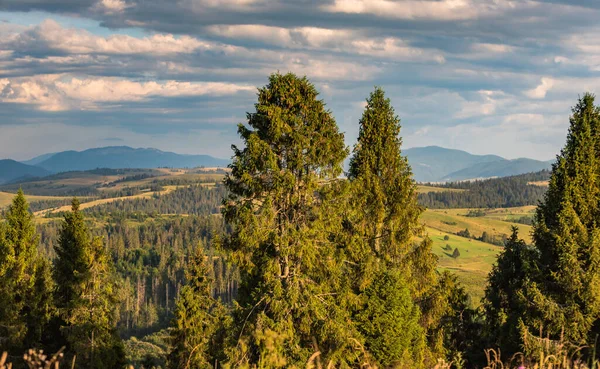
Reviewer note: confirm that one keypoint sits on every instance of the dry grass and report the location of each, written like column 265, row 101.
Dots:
column 7, row 197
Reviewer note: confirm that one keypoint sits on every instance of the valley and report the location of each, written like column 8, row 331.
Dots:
column 113, row 191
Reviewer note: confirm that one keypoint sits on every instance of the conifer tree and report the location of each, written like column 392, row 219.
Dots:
column 280, row 237
column 504, row 304
column 196, row 321
column 389, row 321
column 85, row 295
column 384, row 228
column 386, row 197
column 22, row 279
column 565, row 294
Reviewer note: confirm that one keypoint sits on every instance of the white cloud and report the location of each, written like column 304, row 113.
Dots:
column 542, row 89
column 63, row 92
column 445, row 10
column 52, row 35
column 112, row 6
column 332, row 40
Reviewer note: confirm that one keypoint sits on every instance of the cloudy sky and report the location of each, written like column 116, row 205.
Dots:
column 486, row 76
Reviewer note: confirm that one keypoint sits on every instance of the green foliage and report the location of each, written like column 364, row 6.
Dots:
column 566, row 292
column 389, row 321
column 455, row 328
column 504, row 303
column 502, row 192
column 279, row 239
column 197, row 316
column 455, row 253
column 85, row 295
column 23, row 280
column 383, row 224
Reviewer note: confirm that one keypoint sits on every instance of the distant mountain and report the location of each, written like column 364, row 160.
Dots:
column 502, row 168
column 38, row 159
column 11, row 170
column 438, row 164
column 115, row 157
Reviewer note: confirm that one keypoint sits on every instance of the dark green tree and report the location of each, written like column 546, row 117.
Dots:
column 389, row 321
column 197, row 318
column 85, row 295
column 386, row 195
column 565, row 294
column 280, row 237
column 383, row 220
column 24, row 286
column 504, row 304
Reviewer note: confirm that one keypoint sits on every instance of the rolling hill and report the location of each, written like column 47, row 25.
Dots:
column 11, row 170
column 115, row 157
column 438, row 164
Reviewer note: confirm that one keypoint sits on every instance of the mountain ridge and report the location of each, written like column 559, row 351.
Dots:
column 116, row 157
column 439, row 164
column 11, row 170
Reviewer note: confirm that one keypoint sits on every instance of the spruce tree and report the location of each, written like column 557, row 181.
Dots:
column 85, row 295
column 385, row 196
column 383, row 225
column 564, row 296
column 196, row 320
column 389, row 321
column 504, row 303
column 22, row 280
column 280, row 237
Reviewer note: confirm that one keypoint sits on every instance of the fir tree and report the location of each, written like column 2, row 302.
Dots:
column 280, row 237
column 385, row 195
column 566, row 295
column 196, row 321
column 384, row 223
column 23, row 279
column 504, row 304
column 85, row 295
column 389, row 321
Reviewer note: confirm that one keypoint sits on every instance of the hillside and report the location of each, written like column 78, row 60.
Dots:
column 501, row 168
column 11, row 170
column 114, row 157
column 438, row 164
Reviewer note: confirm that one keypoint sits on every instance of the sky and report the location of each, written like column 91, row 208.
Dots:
column 485, row 76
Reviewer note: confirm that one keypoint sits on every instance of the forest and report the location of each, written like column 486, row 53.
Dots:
column 292, row 263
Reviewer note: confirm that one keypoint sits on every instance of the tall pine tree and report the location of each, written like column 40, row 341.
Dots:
column 24, row 286
column 388, row 241
column 385, row 196
column 85, row 295
column 565, row 294
column 280, row 237
column 197, row 319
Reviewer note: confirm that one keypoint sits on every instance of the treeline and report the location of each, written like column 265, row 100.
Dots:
column 490, row 193
column 192, row 200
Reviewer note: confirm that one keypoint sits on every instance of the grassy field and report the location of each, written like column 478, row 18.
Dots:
column 471, row 267
column 476, row 258
column 428, row 189
column 6, row 198
column 89, row 204
column 496, row 222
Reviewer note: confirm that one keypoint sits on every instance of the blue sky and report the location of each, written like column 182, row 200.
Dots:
column 485, row 76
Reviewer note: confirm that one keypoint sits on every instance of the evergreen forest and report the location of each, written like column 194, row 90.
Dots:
column 292, row 260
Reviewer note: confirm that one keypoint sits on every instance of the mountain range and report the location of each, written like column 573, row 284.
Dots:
column 438, row 164
column 114, row 157
column 429, row 164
